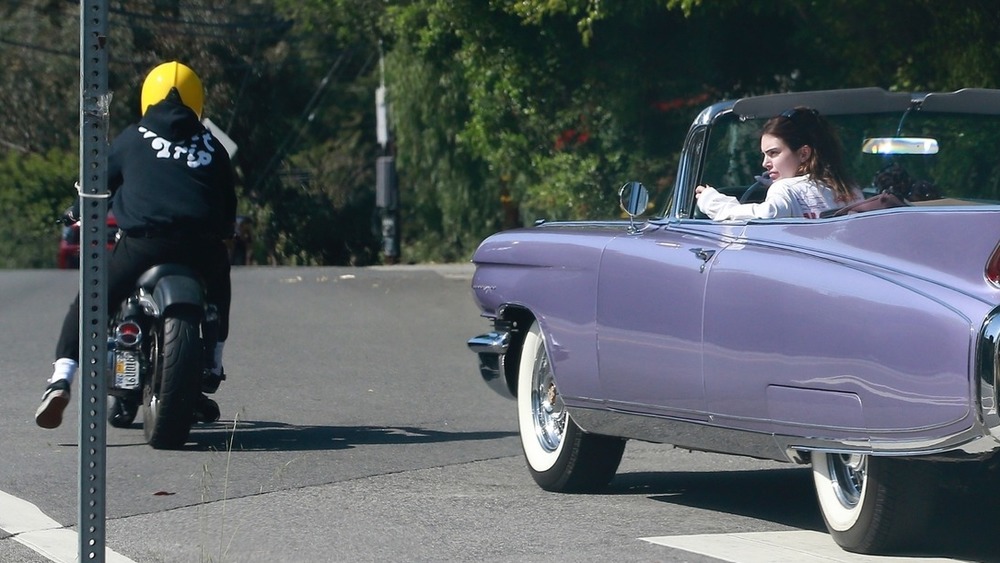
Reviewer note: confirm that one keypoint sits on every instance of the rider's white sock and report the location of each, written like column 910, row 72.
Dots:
column 63, row 368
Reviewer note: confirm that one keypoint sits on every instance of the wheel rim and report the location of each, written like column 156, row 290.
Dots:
column 153, row 403
column 150, row 389
column 547, row 408
column 848, row 472
column 542, row 420
column 154, row 376
column 841, row 487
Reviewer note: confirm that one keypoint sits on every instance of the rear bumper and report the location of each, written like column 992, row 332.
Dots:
column 988, row 371
column 491, row 349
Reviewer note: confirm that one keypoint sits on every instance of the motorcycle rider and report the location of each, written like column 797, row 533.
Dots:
column 173, row 195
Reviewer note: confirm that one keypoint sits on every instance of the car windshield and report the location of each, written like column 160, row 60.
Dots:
column 948, row 158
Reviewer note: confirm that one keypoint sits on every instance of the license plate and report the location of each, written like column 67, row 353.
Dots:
column 126, row 370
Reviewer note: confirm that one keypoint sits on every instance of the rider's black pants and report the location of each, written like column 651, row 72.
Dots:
column 133, row 255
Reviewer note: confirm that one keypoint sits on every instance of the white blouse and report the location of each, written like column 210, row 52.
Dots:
column 800, row 196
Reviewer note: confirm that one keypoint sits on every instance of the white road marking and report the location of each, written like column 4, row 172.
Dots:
column 774, row 547
column 30, row 526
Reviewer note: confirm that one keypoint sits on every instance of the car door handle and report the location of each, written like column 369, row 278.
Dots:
column 705, row 254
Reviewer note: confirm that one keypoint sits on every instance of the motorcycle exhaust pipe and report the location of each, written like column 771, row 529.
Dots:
column 128, row 334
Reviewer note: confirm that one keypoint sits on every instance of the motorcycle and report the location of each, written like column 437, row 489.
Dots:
column 160, row 344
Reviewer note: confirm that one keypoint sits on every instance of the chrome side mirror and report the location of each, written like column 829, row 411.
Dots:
column 634, row 198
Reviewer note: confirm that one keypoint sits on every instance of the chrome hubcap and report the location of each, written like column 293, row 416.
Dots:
column 848, row 472
column 547, row 407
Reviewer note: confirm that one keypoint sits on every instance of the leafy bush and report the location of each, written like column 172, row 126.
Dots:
column 34, row 191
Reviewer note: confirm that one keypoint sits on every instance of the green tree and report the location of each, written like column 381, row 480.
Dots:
column 260, row 69
column 503, row 111
column 39, row 87
column 905, row 45
column 316, row 191
column 554, row 118
column 37, row 188
column 448, row 197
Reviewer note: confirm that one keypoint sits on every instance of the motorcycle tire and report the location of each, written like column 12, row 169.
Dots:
column 171, row 392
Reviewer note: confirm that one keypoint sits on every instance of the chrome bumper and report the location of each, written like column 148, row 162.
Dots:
column 988, row 367
column 491, row 348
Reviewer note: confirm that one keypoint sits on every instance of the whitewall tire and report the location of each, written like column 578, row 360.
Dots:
column 560, row 456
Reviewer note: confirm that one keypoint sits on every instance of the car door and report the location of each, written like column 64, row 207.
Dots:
column 649, row 317
column 765, row 307
column 802, row 338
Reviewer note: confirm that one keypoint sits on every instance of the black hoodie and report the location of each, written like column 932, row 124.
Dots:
column 169, row 172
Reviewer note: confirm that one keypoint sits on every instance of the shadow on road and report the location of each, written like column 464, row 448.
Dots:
column 782, row 496
column 960, row 530
column 278, row 436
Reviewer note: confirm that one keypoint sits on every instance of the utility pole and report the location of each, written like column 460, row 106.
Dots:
column 386, row 182
column 93, row 191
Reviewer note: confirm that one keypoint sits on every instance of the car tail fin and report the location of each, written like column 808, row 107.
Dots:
column 993, row 267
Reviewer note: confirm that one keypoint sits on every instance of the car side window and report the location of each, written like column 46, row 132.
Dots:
column 730, row 160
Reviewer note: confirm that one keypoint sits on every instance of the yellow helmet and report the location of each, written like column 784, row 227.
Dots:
column 161, row 79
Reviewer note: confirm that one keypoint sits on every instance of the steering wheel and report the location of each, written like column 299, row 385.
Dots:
column 753, row 189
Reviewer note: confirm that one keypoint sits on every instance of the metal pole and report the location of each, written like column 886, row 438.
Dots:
column 93, row 188
column 386, row 183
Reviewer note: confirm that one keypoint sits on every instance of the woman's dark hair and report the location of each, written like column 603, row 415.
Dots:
column 805, row 126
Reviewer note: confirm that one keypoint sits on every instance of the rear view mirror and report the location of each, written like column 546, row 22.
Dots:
column 900, row 145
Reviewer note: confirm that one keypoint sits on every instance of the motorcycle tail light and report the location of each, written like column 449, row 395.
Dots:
column 128, row 334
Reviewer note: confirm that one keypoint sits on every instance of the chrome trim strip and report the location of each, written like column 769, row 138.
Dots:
column 490, row 349
column 686, row 434
column 988, row 374
column 971, row 442
column 702, row 436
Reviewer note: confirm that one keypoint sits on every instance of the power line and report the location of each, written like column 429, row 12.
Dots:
column 39, row 48
column 189, row 26
column 305, row 118
column 264, row 22
column 75, row 55
column 118, row 61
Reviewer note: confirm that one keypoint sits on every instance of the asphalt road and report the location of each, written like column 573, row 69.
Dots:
column 355, row 428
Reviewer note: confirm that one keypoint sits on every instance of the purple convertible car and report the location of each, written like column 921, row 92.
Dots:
column 864, row 344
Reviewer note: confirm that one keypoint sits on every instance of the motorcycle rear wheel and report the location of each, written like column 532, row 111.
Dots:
column 171, row 392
